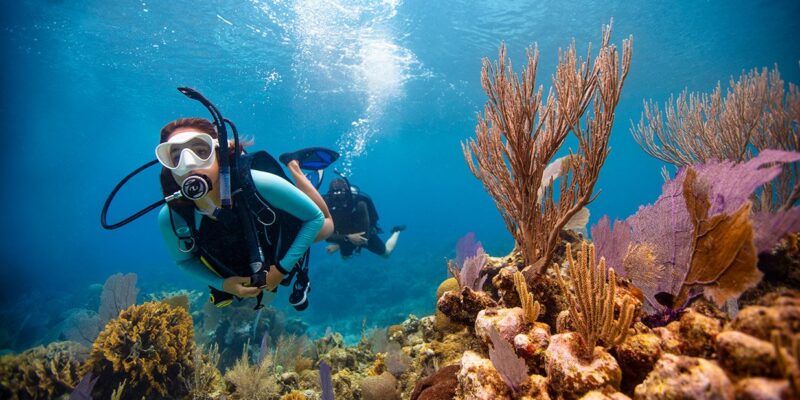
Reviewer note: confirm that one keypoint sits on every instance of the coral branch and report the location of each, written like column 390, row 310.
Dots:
column 520, row 131
column 756, row 114
column 591, row 307
column 530, row 308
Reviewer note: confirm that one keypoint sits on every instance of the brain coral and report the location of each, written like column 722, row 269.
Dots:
column 150, row 345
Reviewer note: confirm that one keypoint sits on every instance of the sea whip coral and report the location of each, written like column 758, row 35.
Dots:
column 520, row 132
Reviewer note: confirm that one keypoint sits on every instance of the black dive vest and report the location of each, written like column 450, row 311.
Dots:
column 343, row 218
column 223, row 242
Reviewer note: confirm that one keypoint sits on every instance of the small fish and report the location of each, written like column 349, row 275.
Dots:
column 560, row 167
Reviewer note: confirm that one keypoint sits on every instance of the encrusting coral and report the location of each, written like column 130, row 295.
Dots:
column 591, row 308
column 151, row 346
column 788, row 360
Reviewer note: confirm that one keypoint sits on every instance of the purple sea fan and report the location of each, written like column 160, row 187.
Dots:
column 470, row 275
column 731, row 184
column 466, row 247
column 771, row 227
column 662, row 231
column 512, row 368
column 612, row 243
column 326, row 381
column 83, row 391
column 666, row 246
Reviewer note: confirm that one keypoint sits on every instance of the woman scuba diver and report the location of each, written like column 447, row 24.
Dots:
column 188, row 148
column 231, row 218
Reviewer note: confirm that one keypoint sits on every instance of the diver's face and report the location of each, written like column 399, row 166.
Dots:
column 339, row 197
column 212, row 171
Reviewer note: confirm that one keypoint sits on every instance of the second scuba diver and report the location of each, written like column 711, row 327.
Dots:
column 356, row 222
column 215, row 244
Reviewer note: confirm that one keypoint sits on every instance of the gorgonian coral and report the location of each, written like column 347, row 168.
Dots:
column 700, row 235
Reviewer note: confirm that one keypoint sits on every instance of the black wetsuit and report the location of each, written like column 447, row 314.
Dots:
column 355, row 220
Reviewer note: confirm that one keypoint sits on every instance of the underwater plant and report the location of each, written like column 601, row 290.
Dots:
column 699, row 236
column 756, row 114
column 520, row 132
column 591, row 307
column 252, row 382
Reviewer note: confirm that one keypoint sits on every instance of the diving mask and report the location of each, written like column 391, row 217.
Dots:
column 187, row 151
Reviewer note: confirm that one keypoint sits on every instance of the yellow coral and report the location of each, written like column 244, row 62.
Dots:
column 302, row 363
column 446, row 286
column 442, row 322
column 591, row 308
column 41, row 372
column 378, row 366
column 530, row 307
column 394, row 329
column 149, row 345
column 294, row 395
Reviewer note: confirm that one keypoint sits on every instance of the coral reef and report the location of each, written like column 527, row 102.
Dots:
column 666, row 305
column 684, row 377
column 573, row 374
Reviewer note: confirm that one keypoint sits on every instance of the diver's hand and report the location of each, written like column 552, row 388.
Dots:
column 237, row 286
column 332, row 248
column 357, row 239
column 274, row 277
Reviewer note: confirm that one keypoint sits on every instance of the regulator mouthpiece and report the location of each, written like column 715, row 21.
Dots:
column 195, row 187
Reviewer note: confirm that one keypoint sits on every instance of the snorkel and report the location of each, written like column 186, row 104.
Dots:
column 222, row 134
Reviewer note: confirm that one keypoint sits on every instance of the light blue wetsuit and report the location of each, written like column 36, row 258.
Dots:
column 280, row 194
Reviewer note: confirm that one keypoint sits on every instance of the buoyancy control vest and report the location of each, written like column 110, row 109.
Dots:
column 356, row 196
column 223, row 243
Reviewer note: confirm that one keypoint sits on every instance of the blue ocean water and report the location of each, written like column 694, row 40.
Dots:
column 392, row 84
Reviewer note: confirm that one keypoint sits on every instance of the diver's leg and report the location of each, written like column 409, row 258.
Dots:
column 306, row 187
column 392, row 242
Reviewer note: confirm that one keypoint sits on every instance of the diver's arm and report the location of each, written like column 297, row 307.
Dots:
column 337, row 238
column 188, row 262
column 287, row 197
